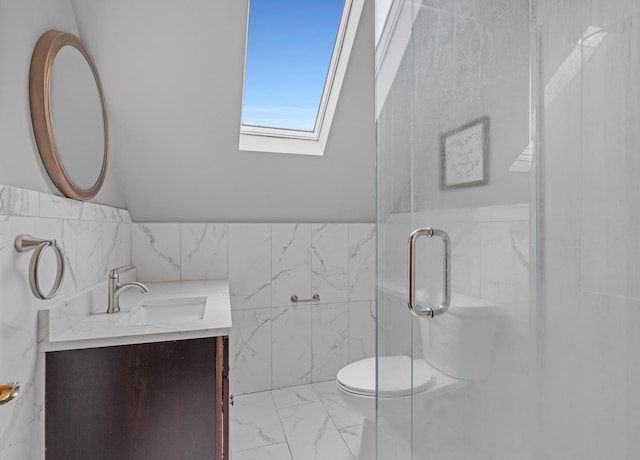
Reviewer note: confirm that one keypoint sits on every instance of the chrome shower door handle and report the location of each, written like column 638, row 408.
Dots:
column 429, row 311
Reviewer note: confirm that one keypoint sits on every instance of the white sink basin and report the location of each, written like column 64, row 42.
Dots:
column 169, row 310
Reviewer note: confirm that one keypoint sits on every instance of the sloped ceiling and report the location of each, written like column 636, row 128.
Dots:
column 172, row 73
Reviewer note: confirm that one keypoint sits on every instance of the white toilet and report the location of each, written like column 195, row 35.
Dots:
column 457, row 347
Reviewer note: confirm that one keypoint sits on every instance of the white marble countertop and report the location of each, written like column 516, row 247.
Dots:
column 102, row 330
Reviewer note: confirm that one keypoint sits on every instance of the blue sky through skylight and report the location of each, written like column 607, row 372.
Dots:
column 289, row 46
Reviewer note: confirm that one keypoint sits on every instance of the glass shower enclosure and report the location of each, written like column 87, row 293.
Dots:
column 508, row 318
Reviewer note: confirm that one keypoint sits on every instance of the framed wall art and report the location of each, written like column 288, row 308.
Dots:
column 465, row 152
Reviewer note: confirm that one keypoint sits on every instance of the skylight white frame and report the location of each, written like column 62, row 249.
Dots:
column 263, row 139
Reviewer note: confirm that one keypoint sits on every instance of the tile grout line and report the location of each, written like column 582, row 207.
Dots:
column 281, row 425
column 320, row 401
column 328, row 413
column 265, row 445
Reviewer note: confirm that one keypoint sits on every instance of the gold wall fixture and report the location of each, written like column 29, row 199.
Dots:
column 8, row 392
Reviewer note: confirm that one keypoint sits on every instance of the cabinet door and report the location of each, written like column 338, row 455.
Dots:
column 144, row 402
column 222, row 395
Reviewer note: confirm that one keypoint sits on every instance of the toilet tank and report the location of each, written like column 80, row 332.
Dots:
column 460, row 342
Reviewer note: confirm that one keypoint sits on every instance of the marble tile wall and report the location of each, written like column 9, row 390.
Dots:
column 489, row 261
column 591, row 295
column 94, row 239
column 275, row 342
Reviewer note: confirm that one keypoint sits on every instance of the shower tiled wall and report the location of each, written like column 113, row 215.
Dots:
column 590, row 298
column 94, row 239
column 276, row 343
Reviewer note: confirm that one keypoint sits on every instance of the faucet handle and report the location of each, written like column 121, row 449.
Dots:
column 115, row 273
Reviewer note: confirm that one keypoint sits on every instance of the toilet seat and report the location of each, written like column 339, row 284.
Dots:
column 360, row 377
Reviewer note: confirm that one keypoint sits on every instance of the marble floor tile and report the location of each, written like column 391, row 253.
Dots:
column 294, row 396
column 273, row 452
column 254, row 422
column 352, row 437
column 258, row 420
column 341, row 415
column 312, row 435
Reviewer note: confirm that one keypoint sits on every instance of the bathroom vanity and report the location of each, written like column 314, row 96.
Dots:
column 150, row 382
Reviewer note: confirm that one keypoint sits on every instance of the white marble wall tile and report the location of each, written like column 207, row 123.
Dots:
column 515, row 13
column 294, row 396
column 203, row 251
column 156, row 251
column 606, row 13
column 19, row 202
column 466, row 256
column 111, row 250
column 17, row 341
column 290, row 263
column 96, row 212
column 250, row 351
column 330, row 262
column 123, row 216
column 610, row 140
column 545, row 10
column 18, row 440
column 505, row 262
column 362, row 330
column 59, row 207
column 594, row 338
column 90, row 262
column 562, row 171
column 100, row 247
column 312, row 435
column 272, row 452
column 254, row 422
column 362, row 262
column 124, row 244
column 250, row 265
column 291, row 346
column 69, row 242
column 330, row 341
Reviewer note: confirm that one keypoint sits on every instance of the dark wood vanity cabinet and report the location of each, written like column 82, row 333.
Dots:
column 155, row 401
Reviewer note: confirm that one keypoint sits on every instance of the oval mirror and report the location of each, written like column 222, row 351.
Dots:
column 68, row 115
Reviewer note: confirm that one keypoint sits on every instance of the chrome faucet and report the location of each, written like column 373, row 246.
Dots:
column 116, row 288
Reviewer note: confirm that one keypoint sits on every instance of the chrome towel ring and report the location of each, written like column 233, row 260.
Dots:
column 26, row 243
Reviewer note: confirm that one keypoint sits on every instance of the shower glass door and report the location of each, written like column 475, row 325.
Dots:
column 455, row 129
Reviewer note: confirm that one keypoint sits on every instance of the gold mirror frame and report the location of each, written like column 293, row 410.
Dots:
column 45, row 52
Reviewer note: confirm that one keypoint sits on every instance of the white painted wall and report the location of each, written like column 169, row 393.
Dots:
column 172, row 73
column 21, row 24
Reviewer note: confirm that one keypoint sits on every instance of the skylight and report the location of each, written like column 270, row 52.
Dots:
column 296, row 58
column 289, row 48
